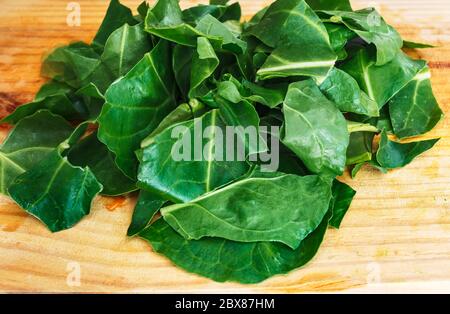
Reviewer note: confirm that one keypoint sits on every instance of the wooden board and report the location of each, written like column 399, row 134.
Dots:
column 395, row 238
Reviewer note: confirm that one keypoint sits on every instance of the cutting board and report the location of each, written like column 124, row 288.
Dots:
column 395, row 238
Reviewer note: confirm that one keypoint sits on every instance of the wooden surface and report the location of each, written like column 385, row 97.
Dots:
column 395, row 238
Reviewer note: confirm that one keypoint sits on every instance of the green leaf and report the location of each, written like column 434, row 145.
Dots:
column 53, row 96
column 395, row 155
column 116, row 16
column 360, row 147
column 31, row 140
column 124, row 48
column 73, row 65
column 343, row 5
column 92, row 153
column 198, row 172
column 344, row 91
column 204, row 63
column 56, row 192
column 414, row 110
column 165, row 20
column 314, row 129
column 147, row 205
column 371, row 27
column 182, row 64
column 339, row 35
column 301, row 42
column 414, row 45
column 224, row 260
column 136, row 104
column 269, row 95
column 382, row 83
column 342, row 196
column 283, row 208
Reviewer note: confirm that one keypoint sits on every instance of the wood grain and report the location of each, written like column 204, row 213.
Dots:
column 395, row 238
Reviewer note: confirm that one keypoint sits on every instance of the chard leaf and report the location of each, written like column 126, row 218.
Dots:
column 391, row 154
column 53, row 96
column 283, row 208
column 147, row 205
column 181, row 113
column 344, row 91
column 414, row 45
column 194, row 175
column 301, row 42
column 371, row 27
column 136, row 104
column 204, row 63
column 342, row 196
column 360, row 147
column 225, row 260
column 414, row 110
column 32, row 140
column 165, row 20
column 314, row 129
column 116, row 16
column 124, row 48
column 343, row 5
column 381, row 83
column 339, row 37
column 90, row 152
column 182, row 64
column 55, row 192
column 73, row 65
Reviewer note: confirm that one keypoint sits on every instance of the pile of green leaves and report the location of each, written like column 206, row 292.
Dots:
column 332, row 78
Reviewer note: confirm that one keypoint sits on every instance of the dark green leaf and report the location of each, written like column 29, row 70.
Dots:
column 92, row 153
column 342, row 196
column 414, row 110
column 381, row 83
column 301, row 42
column 283, row 208
column 116, row 16
column 414, row 45
column 56, row 192
column 344, row 91
column 147, row 205
column 314, row 129
column 224, row 260
column 360, row 147
column 31, row 141
column 136, row 104
column 394, row 155
column 199, row 172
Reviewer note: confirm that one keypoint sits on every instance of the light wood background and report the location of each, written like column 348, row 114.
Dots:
column 395, row 238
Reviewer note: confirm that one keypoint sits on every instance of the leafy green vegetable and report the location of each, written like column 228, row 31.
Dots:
column 92, row 153
column 147, row 205
column 32, row 140
column 414, row 45
column 414, row 110
column 56, row 192
column 370, row 26
column 224, row 260
column 344, row 91
column 301, row 42
column 381, row 83
column 342, row 196
column 232, row 133
column 314, row 129
column 183, row 181
column 53, row 96
column 116, row 16
column 395, row 155
column 283, row 208
column 135, row 105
